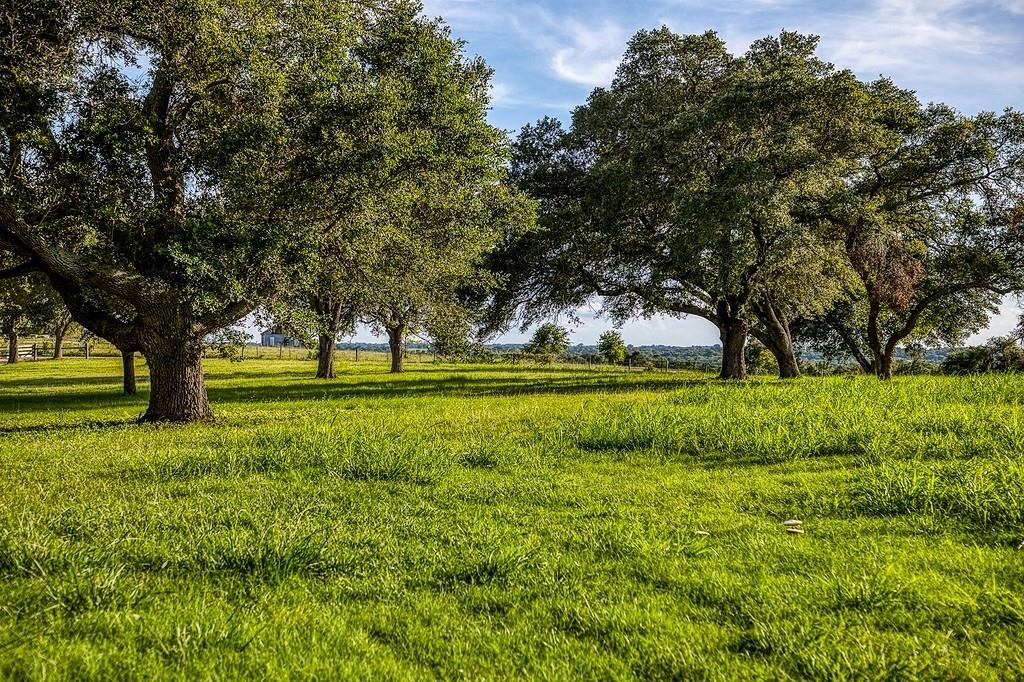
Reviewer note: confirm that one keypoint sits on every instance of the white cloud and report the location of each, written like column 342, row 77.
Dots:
column 899, row 33
column 575, row 51
column 591, row 54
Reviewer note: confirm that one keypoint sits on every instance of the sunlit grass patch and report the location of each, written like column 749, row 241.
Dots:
column 493, row 522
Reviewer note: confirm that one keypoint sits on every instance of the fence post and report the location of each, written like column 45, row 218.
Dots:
column 35, row 354
column 86, row 350
column 357, row 353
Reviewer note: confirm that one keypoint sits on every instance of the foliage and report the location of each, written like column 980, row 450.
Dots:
column 930, row 223
column 612, row 348
column 759, row 359
column 160, row 160
column 549, row 341
column 998, row 355
column 227, row 343
column 27, row 306
column 404, row 253
column 677, row 189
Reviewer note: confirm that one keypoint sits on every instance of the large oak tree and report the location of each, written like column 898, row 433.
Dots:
column 674, row 192
column 931, row 225
column 152, row 159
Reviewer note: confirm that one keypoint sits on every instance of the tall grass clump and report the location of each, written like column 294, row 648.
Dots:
column 987, row 493
column 759, row 423
column 774, row 422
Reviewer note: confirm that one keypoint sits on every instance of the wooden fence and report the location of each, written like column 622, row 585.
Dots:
column 28, row 352
column 42, row 349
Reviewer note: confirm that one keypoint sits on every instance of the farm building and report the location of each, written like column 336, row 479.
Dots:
column 274, row 338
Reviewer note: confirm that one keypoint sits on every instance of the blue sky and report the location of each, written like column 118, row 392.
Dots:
column 549, row 54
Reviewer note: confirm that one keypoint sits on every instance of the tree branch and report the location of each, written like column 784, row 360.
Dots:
column 26, row 268
column 19, row 237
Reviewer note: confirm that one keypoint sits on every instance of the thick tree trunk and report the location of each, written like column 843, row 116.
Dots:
column 395, row 338
column 12, row 347
column 883, row 365
column 734, row 342
column 881, row 356
column 128, row 363
column 781, row 348
column 776, row 337
column 177, row 390
column 785, row 356
column 325, row 364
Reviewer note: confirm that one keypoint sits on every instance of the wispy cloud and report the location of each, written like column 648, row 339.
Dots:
column 590, row 54
column 576, row 50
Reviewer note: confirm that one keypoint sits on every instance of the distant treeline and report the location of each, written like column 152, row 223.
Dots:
column 674, row 354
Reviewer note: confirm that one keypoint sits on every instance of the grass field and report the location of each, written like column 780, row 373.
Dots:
column 490, row 523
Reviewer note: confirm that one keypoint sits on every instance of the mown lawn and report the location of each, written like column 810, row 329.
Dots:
column 494, row 523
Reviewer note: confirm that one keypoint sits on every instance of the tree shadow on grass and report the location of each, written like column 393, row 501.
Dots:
column 111, row 380
column 95, row 425
column 79, row 394
column 451, row 387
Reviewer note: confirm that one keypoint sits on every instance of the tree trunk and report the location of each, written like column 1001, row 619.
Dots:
column 177, row 390
column 395, row 337
column 58, row 343
column 325, row 364
column 883, row 365
column 128, row 362
column 776, row 337
column 60, row 329
column 12, row 347
column 849, row 339
column 785, row 356
column 734, row 342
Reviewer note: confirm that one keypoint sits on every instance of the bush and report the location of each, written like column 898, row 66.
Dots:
column 999, row 355
column 759, row 359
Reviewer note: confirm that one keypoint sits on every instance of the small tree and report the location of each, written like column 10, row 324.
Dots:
column 61, row 325
column 759, row 359
column 403, row 251
column 26, row 305
column 227, row 343
column 612, row 348
column 549, row 342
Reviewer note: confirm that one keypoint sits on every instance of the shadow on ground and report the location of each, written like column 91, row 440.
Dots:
column 293, row 385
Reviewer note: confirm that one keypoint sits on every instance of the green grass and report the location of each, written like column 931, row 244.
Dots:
column 494, row 523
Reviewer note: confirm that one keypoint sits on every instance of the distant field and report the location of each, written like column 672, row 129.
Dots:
column 482, row 523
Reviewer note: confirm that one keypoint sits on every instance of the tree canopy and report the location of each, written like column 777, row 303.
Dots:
column 549, row 341
column 929, row 221
column 163, row 162
column 675, row 189
column 404, row 253
column 612, row 348
column 756, row 190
